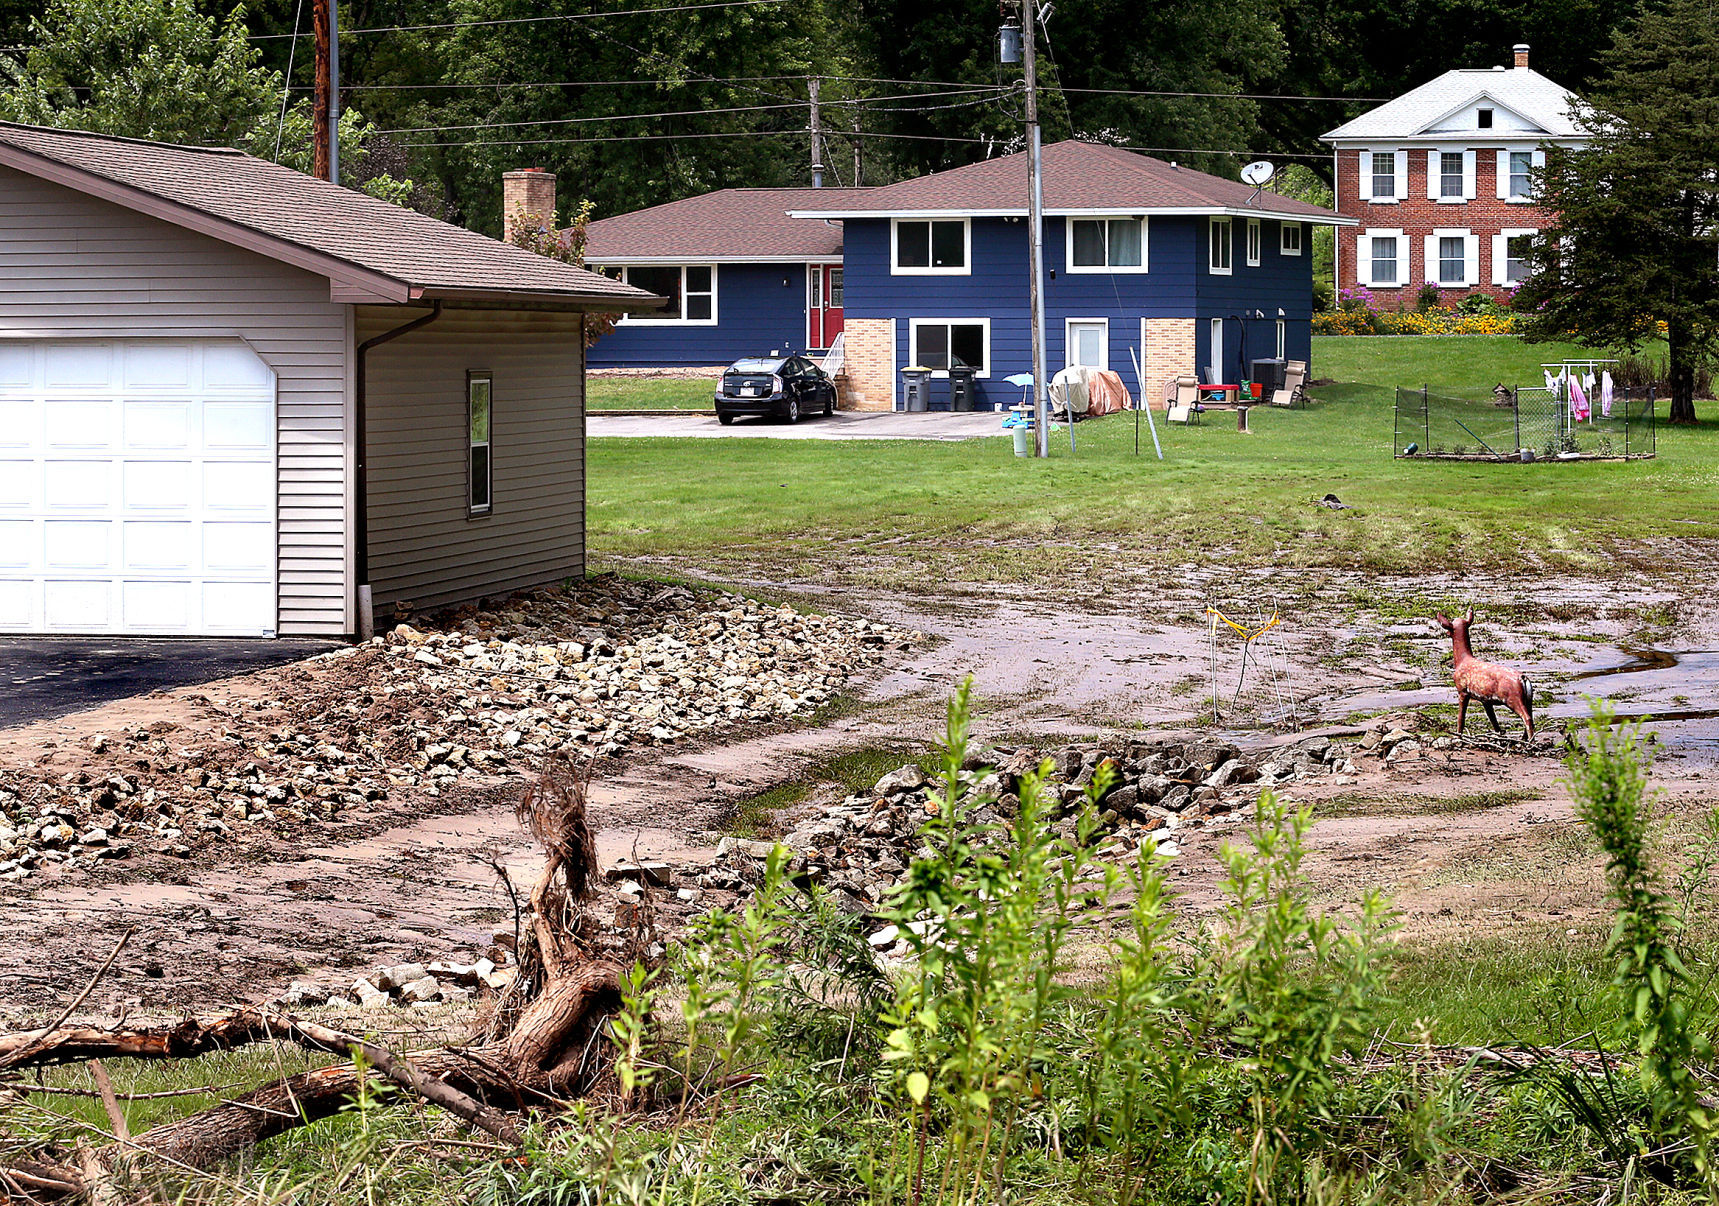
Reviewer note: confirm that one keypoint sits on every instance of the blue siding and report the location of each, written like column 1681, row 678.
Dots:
column 1176, row 285
column 756, row 313
column 1280, row 281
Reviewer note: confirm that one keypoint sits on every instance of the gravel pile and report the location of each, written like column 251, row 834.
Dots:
column 861, row 847
column 471, row 699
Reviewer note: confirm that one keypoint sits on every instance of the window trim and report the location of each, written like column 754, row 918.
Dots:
column 1228, row 226
column 1397, row 175
column 1283, row 230
column 1436, row 275
column 966, row 269
column 1470, row 257
column 1255, row 243
column 683, row 321
column 913, row 325
column 1068, row 325
column 473, row 509
column 1461, row 194
column 1501, row 244
column 1282, row 339
column 1402, row 257
column 1535, row 159
column 1094, row 270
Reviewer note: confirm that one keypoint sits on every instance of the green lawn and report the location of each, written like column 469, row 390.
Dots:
column 895, row 512
column 649, row 393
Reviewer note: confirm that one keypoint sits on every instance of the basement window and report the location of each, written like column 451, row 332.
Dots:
column 478, row 398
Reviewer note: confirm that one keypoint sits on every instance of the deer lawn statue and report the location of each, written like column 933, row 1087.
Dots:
column 1488, row 682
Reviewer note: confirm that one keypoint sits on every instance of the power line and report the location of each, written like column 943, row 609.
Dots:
column 630, row 12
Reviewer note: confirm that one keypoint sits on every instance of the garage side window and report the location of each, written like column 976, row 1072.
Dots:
column 478, row 396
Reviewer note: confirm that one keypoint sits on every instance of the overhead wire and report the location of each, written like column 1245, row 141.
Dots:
column 629, row 12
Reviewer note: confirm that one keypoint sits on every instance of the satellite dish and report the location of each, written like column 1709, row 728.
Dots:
column 1258, row 173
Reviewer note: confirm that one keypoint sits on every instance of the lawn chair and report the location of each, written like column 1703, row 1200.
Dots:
column 1185, row 404
column 1294, row 377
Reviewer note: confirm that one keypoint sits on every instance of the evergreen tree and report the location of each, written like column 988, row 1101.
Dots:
column 1636, row 240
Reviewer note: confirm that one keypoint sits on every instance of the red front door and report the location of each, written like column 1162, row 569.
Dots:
column 823, row 304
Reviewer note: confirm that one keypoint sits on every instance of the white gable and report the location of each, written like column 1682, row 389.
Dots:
column 1466, row 120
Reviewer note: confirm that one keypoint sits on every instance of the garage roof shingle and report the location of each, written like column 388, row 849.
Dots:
column 428, row 258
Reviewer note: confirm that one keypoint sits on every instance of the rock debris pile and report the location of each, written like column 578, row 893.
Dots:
column 405, row 984
column 469, row 700
column 861, row 846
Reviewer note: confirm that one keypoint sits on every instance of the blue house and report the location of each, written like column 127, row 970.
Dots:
column 741, row 276
column 1145, row 262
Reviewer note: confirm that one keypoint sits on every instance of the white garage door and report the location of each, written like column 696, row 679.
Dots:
column 137, row 488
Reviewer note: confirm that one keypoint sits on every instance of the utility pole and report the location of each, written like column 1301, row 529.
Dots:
column 856, row 151
column 1035, row 228
column 817, row 137
column 319, row 96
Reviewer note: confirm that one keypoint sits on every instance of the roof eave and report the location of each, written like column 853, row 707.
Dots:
column 1161, row 211
column 636, row 300
column 343, row 275
column 798, row 257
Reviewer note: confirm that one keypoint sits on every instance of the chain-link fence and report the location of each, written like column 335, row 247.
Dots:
column 1527, row 423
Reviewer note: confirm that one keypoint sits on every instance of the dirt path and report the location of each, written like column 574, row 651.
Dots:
column 1455, row 836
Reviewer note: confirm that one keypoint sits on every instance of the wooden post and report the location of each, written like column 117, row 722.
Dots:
column 319, row 95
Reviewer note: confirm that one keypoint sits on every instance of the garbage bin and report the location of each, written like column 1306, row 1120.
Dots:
column 916, row 389
column 961, row 390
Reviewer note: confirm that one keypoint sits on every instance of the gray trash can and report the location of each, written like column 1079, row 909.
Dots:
column 916, row 389
column 961, row 388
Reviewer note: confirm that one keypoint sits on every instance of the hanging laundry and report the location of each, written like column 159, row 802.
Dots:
column 1606, row 393
column 1551, row 381
column 1580, row 411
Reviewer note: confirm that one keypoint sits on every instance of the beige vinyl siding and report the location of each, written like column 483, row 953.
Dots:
column 73, row 266
column 424, row 548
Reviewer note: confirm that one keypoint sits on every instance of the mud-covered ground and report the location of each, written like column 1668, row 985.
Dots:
column 1463, row 838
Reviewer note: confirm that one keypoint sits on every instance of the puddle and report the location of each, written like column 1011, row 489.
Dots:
column 1640, row 660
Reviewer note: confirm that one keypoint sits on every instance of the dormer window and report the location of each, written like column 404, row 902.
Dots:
column 1483, row 118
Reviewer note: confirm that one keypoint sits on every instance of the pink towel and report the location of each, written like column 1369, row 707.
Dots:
column 1579, row 408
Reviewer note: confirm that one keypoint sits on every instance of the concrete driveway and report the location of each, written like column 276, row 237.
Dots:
column 843, row 425
column 45, row 677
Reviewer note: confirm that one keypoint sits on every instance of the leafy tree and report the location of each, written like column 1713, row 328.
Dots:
column 142, row 68
column 1636, row 240
column 162, row 69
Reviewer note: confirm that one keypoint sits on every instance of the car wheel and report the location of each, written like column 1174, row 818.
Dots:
column 829, row 403
column 725, row 420
column 793, row 415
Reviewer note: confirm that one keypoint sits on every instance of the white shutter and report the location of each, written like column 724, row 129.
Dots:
column 1365, row 182
column 1468, row 175
column 1503, row 173
column 1432, row 176
column 1471, row 259
column 1539, row 161
column 1500, row 258
column 1429, row 271
column 1363, row 259
column 1401, row 161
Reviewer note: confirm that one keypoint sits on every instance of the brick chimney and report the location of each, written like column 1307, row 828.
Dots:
column 1521, row 56
column 526, row 191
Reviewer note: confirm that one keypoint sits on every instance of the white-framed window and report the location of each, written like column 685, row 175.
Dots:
column 1384, row 176
column 480, row 389
column 1255, row 242
column 1521, row 166
column 938, row 343
column 930, row 246
column 1452, row 258
column 1215, row 345
column 1289, row 238
column 1107, row 244
column 1450, row 176
column 1220, row 250
column 1381, row 258
column 1282, row 340
column 1483, row 119
column 690, row 289
column 1510, row 255
column 1452, row 265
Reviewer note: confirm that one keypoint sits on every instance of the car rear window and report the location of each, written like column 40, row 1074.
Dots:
column 755, row 366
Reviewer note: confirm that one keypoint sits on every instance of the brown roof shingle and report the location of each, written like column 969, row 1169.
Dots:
column 227, row 193
column 1079, row 176
column 731, row 223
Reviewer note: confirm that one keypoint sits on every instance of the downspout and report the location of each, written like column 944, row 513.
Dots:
column 361, row 541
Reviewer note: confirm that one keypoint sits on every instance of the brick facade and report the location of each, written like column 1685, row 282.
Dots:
column 1417, row 217
column 868, row 376
column 1170, row 352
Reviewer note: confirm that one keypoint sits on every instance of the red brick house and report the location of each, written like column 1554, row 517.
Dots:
column 1439, row 180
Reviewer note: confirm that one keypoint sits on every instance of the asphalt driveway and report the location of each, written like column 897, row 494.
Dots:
column 843, row 425
column 44, row 677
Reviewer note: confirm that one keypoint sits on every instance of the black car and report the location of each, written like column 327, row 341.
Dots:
column 783, row 386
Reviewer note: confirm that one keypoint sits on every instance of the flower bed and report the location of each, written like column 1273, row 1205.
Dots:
column 1358, row 312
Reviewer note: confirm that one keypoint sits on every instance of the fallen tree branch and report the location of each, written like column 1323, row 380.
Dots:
column 7, row 1059
column 59, row 1044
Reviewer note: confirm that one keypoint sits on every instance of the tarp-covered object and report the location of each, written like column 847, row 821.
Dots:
column 1106, row 393
column 1069, row 392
